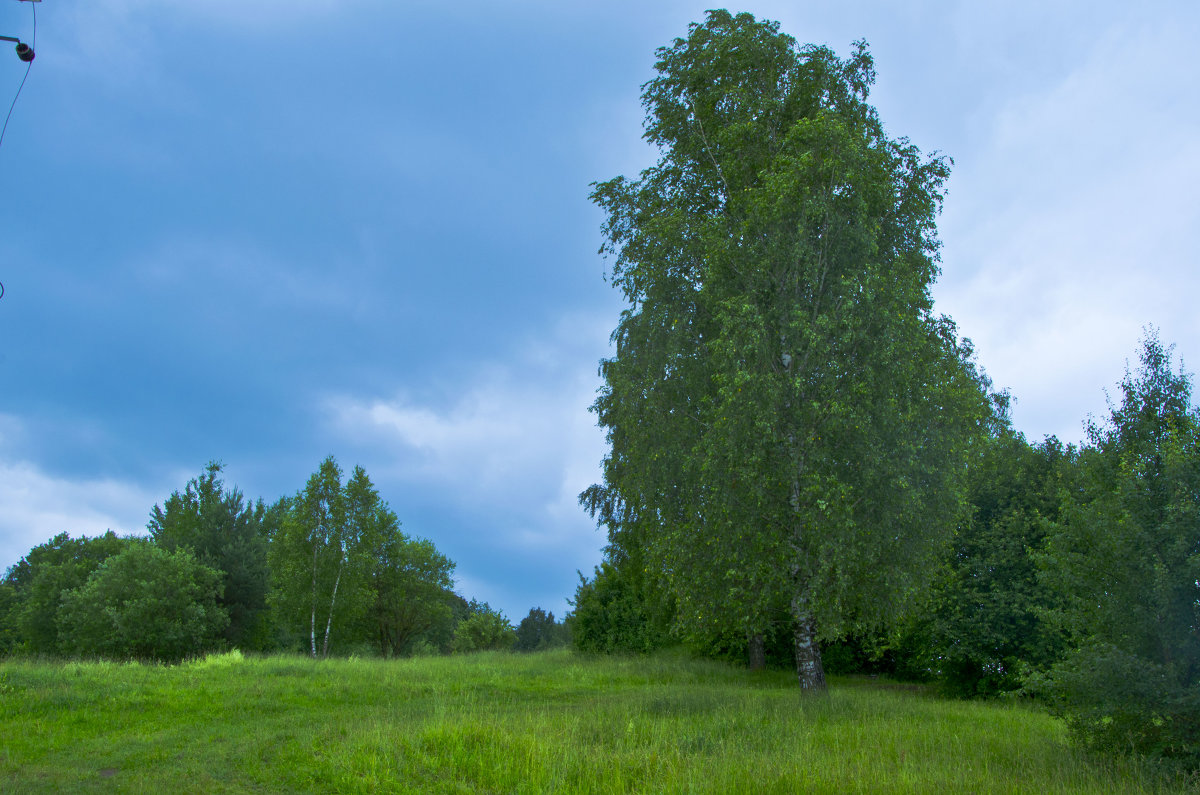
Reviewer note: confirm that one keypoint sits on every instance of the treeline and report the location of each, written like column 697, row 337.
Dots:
column 1072, row 576
column 326, row 571
column 805, row 464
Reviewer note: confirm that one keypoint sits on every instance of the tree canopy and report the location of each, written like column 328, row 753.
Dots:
column 225, row 533
column 1124, row 558
column 787, row 417
column 144, row 603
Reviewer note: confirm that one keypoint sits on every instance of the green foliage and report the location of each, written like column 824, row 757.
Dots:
column 319, row 553
column 484, row 629
column 1124, row 559
column 539, row 631
column 39, row 580
column 788, row 420
column 228, row 535
column 986, row 629
column 144, row 603
column 339, row 560
column 439, row 639
column 412, row 585
column 8, row 629
column 614, row 612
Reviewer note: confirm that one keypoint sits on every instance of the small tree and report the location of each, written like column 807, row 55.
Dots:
column 484, row 629
column 538, row 631
column 412, row 584
column 617, row 611
column 8, row 629
column 225, row 533
column 314, row 557
column 39, row 580
column 987, row 627
column 145, row 603
column 1125, row 561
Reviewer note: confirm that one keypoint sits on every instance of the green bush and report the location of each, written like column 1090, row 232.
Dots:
column 1124, row 561
column 612, row 614
column 538, row 631
column 483, row 630
column 37, row 583
column 145, row 603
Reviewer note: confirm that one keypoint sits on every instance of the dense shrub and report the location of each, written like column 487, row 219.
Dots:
column 145, row 603
column 1124, row 560
column 36, row 584
column 614, row 614
column 538, row 631
column 483, row 630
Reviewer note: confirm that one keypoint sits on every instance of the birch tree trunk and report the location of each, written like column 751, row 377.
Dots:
column 312, row 616
column 329, row 621
column 809, row 670
column 758, row 652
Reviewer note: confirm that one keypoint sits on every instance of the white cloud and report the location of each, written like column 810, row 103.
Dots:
column 36, row 506
column 517, row 434
column 1074, row 225
column 510, row 452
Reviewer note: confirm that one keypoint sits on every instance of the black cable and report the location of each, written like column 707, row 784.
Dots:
column 14, row 103
column 28, row 66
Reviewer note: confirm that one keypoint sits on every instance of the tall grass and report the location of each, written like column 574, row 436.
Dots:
column 552, row 722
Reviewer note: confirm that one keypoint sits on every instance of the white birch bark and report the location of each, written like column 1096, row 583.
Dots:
column 329, row 621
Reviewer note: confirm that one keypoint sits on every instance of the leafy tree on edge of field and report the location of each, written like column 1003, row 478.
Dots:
column 312, row 551
column 1125, row 558
column 986, row 628
column 484, row 629
column 39, row 580
column 144, row 603
column 8, row 630
column 339, row 559
column 538, row 631
column 412, row 584
column 619, row 610
column 225, row 533
column 787, row 418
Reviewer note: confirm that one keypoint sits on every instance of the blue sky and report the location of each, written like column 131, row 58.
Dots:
column 266, row 232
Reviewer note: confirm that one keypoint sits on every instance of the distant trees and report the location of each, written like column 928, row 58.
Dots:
column 987, row 628
column 620, row 609
column 412, row 587
column 341, row 567
column 310, row 554
column 539, row 631
column 337, row 568
column 484, row 629
column 37, row 584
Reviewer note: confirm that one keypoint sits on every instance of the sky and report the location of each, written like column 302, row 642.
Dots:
column 267, row 232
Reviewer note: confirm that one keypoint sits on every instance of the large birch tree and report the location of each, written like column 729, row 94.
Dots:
column 788, row 418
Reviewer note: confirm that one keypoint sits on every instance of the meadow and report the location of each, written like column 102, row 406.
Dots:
column 503, row 722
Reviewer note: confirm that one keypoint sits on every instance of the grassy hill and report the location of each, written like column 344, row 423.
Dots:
column 553, row 722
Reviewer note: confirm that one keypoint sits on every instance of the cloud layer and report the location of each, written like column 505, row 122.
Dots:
column 502, row 455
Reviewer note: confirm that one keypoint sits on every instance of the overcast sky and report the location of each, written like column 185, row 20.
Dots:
column 267, row 232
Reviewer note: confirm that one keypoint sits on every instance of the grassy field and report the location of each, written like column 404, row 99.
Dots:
column 553, row 722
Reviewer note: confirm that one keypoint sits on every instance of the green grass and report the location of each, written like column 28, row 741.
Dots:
column 552, row 722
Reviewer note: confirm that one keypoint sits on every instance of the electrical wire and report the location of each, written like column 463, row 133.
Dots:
column 28, row 66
